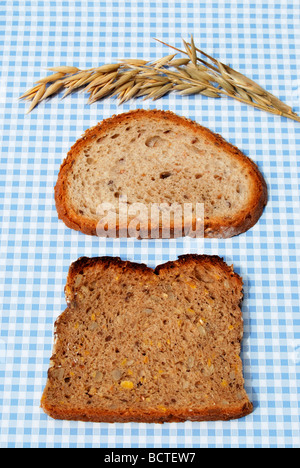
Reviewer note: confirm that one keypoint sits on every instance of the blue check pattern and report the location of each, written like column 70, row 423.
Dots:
column 258, row 37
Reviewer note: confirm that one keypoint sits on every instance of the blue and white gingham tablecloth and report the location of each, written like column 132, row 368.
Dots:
column 261, row 38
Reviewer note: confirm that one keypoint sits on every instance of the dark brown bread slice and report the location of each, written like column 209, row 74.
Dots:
column 144, row 345
column 156, row 157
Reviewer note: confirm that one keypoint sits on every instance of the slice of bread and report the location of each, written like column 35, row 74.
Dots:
column 156, row 157
column 144, row 345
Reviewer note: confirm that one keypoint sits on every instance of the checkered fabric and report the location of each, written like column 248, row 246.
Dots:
column 258, row 37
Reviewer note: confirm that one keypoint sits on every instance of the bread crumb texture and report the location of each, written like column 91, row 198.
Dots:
column 156, row 157
column 137, row 344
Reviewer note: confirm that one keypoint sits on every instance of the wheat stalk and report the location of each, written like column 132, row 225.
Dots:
column 197, row 73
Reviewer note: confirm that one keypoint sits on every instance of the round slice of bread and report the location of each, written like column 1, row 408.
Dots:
column 156, row 158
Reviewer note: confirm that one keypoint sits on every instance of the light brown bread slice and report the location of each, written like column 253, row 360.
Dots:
column 144, row 345
column 158, row 157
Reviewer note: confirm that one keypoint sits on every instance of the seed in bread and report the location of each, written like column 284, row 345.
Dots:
column 144, row 345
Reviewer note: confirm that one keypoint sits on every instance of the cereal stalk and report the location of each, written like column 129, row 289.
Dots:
column 197, row 73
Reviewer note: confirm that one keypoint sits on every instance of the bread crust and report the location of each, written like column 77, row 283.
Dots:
column 155, row 415
column 214, row 228
column 152, row 416
column 83, row 263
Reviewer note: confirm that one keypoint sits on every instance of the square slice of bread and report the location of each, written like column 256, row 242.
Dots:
column 144, row 345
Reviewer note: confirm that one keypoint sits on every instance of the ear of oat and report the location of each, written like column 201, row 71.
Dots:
column 37, row 98
column 78, row 84
column 107, row 68
column 31, row 92
column 130, row 93
column 191, row 90
column 51, row 78
column 134, row 78
column 122, row 88
column 160, row 92
column 193, row 51
column 65, row 69
column 52, row 89
column 99, row 94
column 163, row 61
column 179, row 62
column 100, row 79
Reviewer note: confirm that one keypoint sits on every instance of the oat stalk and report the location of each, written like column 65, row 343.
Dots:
column 196, row 73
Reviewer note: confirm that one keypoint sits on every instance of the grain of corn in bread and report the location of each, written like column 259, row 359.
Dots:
column 144, row 345
column 158, row 157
